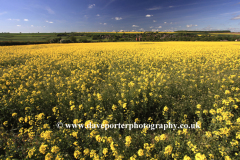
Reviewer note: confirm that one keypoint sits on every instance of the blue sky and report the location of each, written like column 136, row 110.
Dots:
column 28, row 16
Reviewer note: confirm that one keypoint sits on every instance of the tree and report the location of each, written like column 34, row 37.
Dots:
column 73, row 39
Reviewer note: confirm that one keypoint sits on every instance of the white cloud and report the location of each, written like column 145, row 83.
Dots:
column 179, row 26
column 2, row 13
column 50, row 11
column 50, row 22
column 133, row 30
column 91, row 5
column 43, row 26
column 25, row 19
column 237, row 17
column 98, row 15
column 13, row 19
column 160, row 27
column 165, row 22
column 19, row 25
column 46, row 21
column 113, row 31
column 118, row 18
column 135, row 26
column 154, row 8
column 104, row 23
column 151, row 27
column 170, row 6
column 196, row 25
column 148, row 15
column 154, row 30
column 31, row 25
column 141, row 29
column 171, row 23
column 188, row 26
column 154, row 21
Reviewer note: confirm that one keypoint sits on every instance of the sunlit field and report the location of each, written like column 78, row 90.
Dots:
column 112, row 83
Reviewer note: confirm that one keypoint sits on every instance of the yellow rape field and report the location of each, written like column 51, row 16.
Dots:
column 111, row 83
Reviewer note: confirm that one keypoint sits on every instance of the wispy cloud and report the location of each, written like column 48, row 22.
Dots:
column 50, row 11
column 91, row 6
column 98, row 15
column 25, row 19
column 160, row 27
column 154, row 8
column 19, row 25
column 151, row 27
column 148, row 15
column 165, row 22
column 237, row 17
column 188, row 26
column 154, row 21
column 2, row 13
column 111, row 1
column 154, row 30
column 118, row 18
column 13, row 19
column 230, row 13
column 135, row 26
column 31, row 25
column 104, row 23
column 141, row 29
column 49, row 22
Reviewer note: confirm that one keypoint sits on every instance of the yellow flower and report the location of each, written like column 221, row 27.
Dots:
column 48, row 156
column 5, row 123
column 186, row 158
column 31, row 152
column 163, row 137
column 77, row 154
column 80, row 107
column 105, row 151
column 200, row 156
column 75, row 134
column 98, row 138
column 208, row 134
column 14, row 114
column 227, row 92
column 227, row 158
column 99, row 96
column 140, row 152
column 42, row 148
column 46, row 135
column 157, row 139
column 199, row 106
column 211, row 156
column 72, row 107
column 21, row 119
column 55, row 149
column 124, row 105
column 168, row 150
column 110, row 140
column 165, row 109
column 114, row 107
column 128, row 140
column 86, row 151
